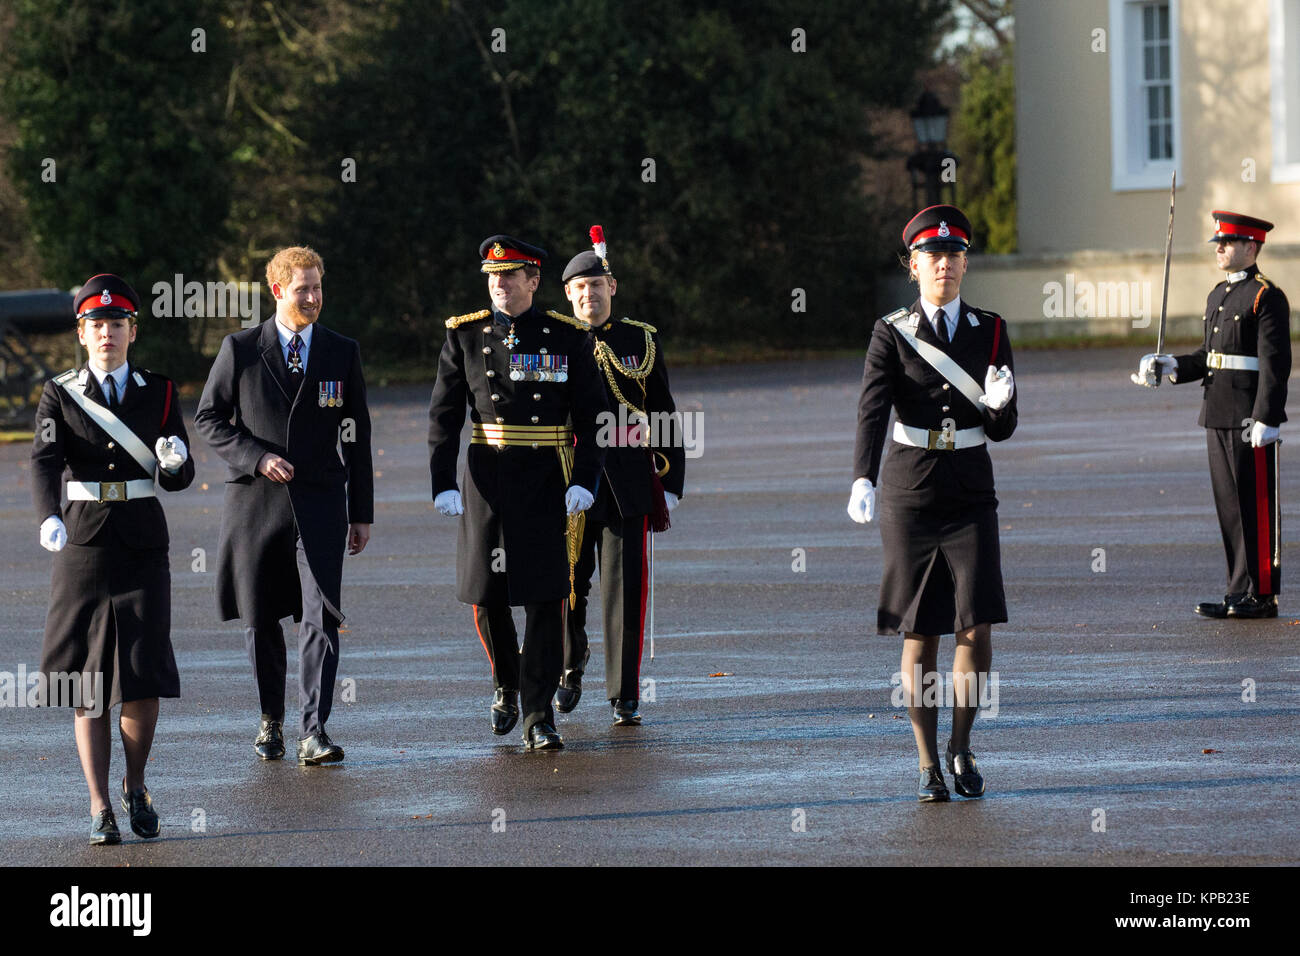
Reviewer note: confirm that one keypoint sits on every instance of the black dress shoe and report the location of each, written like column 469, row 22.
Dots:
column 505, row 711
column 569, row 692
column 542, row 736
column 103, row 829
column 932, row 789
column 1214, row 609
column 269, row 744
column 139, row 807
column 966, row 778
column 1252, row 606
column 318, row 749
column 625, row 714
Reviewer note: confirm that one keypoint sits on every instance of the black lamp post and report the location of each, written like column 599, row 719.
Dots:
column 926, row 165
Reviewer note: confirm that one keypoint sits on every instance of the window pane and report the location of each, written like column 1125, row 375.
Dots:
column 1148, row 22
column 1164, row 62
column 1153, row 103
column 1168, row 141
column 1167, row 102
column 1148, row 62
column 1164, row 21
column 1153, row 142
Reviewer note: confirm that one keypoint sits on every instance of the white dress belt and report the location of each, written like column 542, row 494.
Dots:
column 938, row 440
column 1242, row 363
column 111, row 490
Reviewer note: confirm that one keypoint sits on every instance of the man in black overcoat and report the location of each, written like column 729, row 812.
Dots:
column 1242, row 365
column 285, row 406
column 645, row 464
column 534, row 394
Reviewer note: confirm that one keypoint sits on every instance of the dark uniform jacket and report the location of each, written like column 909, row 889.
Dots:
column 895, row 376
column 623, row 344
column 250, row 407
column 514, row 496
column 1247, row 317
column 83, row 451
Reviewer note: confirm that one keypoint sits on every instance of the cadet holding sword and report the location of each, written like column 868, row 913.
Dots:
column 1242, row 364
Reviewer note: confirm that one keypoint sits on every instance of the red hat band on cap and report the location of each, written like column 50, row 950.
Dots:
column 499, row 253
column 941, row 231
column 106, row 300
column 1236, row 229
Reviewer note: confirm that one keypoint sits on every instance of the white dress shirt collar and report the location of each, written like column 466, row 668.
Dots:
column 119, row 376
column 286, row 335
column 951, row 312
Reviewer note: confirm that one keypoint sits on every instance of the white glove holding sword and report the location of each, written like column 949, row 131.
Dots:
column 1146, row 373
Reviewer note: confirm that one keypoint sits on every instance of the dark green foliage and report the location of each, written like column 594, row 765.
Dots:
column 131, row 117
column 758, row 187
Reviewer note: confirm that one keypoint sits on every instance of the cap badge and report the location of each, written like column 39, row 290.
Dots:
column 604, row 264
column 105, row 298
column 497, row 251
column 943, row 230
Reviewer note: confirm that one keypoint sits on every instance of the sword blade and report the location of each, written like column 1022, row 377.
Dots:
column 1164, row 297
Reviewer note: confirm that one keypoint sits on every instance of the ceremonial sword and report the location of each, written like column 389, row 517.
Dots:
column 1164, row 299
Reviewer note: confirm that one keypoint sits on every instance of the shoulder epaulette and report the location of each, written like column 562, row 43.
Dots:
column 66, row 377
column 640, row 325
column 896, row 316
column 1265, row 285
column 570, row 320
column 457, row 320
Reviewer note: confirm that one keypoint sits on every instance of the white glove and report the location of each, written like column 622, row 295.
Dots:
column 999, row 386
column 671, row 500
column 53, row 534
column 448, row 503
column 578, row 498
column 1261, row 434
column 171, row 453
column 1146, row 373
column 862, row 501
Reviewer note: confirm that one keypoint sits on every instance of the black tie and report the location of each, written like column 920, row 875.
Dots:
column 295, row 356
column 110, row 390
column 943, row 327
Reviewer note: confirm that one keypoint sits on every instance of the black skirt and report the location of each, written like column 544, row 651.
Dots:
column 943, row 569
column 110, row 615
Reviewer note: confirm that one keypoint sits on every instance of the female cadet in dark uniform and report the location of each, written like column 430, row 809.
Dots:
column 938, row 510
column 110, row 427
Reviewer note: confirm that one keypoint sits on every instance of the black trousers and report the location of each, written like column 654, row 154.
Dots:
column 534, row 671
column 1244, row 479
column 620, row 544
column 318, row 652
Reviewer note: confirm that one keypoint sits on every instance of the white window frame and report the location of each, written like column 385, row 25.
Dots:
column 1284, row 103
column 1130, row 168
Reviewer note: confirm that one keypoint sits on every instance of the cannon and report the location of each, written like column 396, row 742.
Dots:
column 22, row 371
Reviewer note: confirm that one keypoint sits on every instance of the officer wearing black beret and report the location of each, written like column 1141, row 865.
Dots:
column 532, row 388
column 642, row 482
column 1242, row 365
column 945, row 368
column 115, row 432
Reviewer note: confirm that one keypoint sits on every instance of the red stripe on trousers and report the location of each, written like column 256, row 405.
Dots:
column 1262, row 527
column 645, row 589
column 480, row 639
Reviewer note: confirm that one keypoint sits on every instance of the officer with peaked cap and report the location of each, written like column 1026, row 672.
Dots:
column 115, row 431
column 532, row 388
column 1242, row 365
column 945, row 368
column 642, row 482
